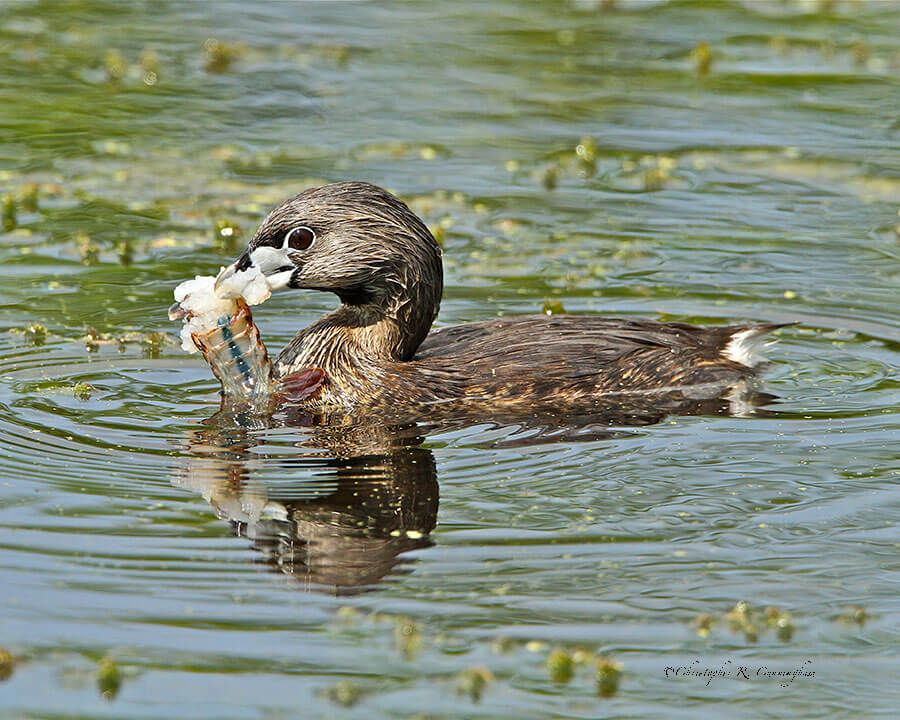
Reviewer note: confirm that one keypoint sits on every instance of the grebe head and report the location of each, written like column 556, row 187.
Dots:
column 360, row 242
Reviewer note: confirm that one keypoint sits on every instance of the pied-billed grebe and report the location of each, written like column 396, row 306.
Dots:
column 366, row 246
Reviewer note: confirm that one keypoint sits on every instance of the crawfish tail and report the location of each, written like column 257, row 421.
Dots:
column 238, row 357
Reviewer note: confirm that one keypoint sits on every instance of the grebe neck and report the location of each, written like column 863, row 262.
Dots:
column 356, row 335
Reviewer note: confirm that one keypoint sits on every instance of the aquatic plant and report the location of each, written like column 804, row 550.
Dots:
column 474, row 681
column 149, row 66
column 704, row 624
column 35, row 334
column 114, row 65
column 586, row 152
column 344, row 693
column 552, row 306
column 109, row 679
column 609, row 672
column 854, row 615
column 560, row 666
column 8, row 212
column 702, row 58
column 88, row 250
column 741, row 618
column 408, row 636
column 219, row 55
column 550, row 176
column 82, row 390
column 226, row 234
column 7, row 664
column 28, row 196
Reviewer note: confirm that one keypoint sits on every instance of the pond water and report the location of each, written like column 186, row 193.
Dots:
column 675, row 160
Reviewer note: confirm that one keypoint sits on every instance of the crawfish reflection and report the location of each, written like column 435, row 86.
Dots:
column 338, row 514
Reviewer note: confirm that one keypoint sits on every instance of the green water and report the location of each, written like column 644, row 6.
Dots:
column 764, row 187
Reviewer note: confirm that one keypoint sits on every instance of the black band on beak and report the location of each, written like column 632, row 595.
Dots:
column 243, row 262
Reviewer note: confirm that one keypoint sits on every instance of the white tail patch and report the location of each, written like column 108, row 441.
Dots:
column 747, row 347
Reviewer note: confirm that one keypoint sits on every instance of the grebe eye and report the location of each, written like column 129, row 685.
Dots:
column 299, row 238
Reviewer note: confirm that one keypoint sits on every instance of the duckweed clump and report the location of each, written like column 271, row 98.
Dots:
column 609, row 672
column 124, row 253
column 153, row 342
column 586, row 152
column 35, row 334
column 702, row 57
column 88, row 250
column 780, row 622
column 149, row 67
column 82, row 391
column 560, row 666
column 550, row 177
column 657, row 171
column 345, row 693
column 474, row 681
column 8, row 215
column 219, row 55
column 552, row 306
column 28, row 196
column 226, row 234
column 7, row 664
column 648, row 173
column 739, row 615
column 92, row 340
column 784, row 628
column 742, row 618
column 704, row 624
column 854, row 615
column 114, row 65
column 109, row 679
column 408, row 636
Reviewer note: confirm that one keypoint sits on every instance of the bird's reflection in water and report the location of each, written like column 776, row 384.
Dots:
column 337, row 513
column 336, row 506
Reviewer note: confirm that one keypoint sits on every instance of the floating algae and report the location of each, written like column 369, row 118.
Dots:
column 7, row 664
column 219, row 55
column 560, row 666
column 608, row 673
column 704, row 624
column 344, row 693
column 109, row 679
column 36, row 334
column 408, row 636
column 474, row 681
column 8, row 213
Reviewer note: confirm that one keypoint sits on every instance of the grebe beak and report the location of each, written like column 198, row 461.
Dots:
column 272, row 262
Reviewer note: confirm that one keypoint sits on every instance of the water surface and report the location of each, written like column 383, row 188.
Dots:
column 562, row 151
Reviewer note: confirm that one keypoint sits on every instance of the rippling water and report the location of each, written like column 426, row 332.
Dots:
column 561, row 150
